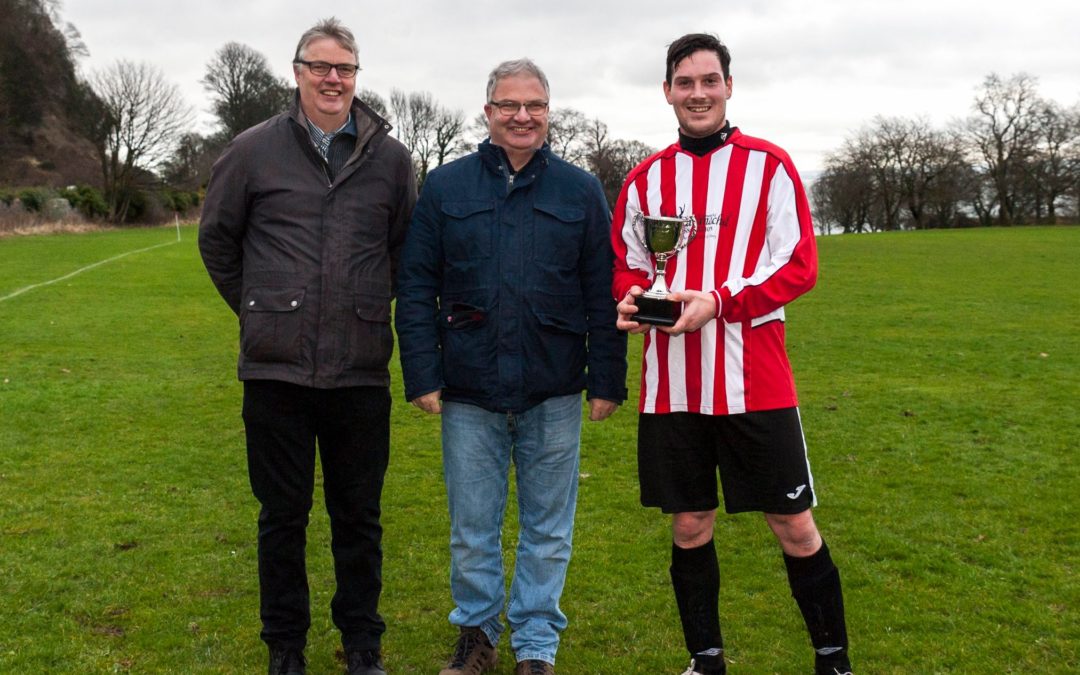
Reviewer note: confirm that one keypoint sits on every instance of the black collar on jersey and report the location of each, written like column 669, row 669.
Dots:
column 703, row 146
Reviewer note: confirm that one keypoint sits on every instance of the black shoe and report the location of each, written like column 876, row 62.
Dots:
column 364, row 662
column 709, row 662
column 287, row 661
column 833, row 663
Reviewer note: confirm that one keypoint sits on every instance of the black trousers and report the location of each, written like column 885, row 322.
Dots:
column 352, row 427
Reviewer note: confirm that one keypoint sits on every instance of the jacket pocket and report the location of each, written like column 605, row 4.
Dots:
column 461, row 316
column 467, row 229
column 370, row 341
column 271, row 324
column 559, row 313
column 467, row 342
column 559, row 232
column 556, row 349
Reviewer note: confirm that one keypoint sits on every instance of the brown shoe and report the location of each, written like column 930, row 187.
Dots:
column 534, row 667
column 473, row 655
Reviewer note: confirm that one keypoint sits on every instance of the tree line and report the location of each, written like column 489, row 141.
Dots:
column 1014, row 159
column 243, row 92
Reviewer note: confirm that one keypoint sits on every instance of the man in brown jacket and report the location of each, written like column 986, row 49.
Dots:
column 303, row 221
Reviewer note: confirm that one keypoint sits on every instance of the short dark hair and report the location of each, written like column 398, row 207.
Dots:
column 695, row 42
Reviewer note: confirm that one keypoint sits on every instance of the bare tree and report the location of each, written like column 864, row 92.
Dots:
column 189, row 166
column 611, row 160
column 568, row 131
column 842, row 196
column 243, row 89
column 873, row 150
column 476, row 130
column 1057, row 156
column 1017, row 156
column 596, row 139
column 375, row 102
column 846, row 195
column 431, row 132
column 143, row 117
column 923, row 162
column 615, row 162
column 892, row 174
column 414, row 116
column 1002, row 137
column 449, row 130
column 949, row 196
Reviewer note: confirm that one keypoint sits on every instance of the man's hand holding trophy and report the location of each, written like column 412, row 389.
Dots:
column 664, row 237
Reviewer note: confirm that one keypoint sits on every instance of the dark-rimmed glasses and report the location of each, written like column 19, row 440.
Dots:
column 322, row 68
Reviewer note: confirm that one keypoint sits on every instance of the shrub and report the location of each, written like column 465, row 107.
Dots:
column 137, row 207
column 180, row 201
column 33, row 199
column 86, row 200
column 156, row 206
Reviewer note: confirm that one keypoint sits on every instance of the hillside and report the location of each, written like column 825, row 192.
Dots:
column 42, row 102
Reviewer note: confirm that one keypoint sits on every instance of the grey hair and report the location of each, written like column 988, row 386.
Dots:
column 516, row 67
column 327, row 28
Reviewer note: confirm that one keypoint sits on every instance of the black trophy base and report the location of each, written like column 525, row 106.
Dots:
column 657, row 311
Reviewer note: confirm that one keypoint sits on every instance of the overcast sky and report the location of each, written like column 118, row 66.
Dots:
column 806, row 74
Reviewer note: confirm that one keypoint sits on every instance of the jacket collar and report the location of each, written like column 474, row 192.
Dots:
column 368, row 122
column 495, row 159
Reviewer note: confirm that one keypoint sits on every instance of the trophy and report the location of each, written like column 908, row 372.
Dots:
column 664, row 236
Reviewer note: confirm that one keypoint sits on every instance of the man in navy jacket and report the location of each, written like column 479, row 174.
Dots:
column 504, row 316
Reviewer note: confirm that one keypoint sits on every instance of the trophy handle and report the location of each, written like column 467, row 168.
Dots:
column 637, row 226
column 687, row 234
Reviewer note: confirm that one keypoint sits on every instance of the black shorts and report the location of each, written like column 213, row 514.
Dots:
column 761, row 457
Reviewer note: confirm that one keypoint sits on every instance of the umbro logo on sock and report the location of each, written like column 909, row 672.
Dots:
column 798, row 491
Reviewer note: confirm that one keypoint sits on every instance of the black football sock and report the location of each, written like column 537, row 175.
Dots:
column 695, row 576
column 815, row 585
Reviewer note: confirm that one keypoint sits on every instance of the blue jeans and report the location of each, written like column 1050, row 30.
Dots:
column 478, row 446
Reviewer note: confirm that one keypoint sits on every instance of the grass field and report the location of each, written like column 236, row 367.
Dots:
column 939, row 375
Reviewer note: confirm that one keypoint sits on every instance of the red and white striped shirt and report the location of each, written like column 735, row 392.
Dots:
column 754, row 250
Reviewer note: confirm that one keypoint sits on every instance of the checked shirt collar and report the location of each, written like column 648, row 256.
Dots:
column 322, row 139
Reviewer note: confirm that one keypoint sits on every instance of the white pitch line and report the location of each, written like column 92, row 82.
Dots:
column 82, row 269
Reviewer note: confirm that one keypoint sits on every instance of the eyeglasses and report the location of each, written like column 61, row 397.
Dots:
column 509, row 108
column 322, row 68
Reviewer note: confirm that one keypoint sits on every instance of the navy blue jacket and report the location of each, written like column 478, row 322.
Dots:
column 503, row 294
